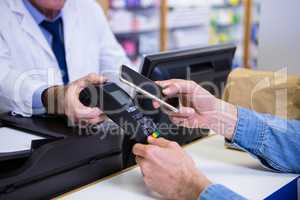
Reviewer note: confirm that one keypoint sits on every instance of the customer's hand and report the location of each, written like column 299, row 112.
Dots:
column 199, row 108
column 168, row 170
column 64, row 100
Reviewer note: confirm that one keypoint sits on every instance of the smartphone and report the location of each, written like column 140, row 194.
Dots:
column 146, row 87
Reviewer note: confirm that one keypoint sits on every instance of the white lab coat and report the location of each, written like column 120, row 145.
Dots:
column 28, row 63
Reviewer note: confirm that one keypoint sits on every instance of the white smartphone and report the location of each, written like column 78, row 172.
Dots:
column 146, row 87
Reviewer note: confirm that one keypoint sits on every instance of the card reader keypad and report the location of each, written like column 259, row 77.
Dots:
column 148, row 126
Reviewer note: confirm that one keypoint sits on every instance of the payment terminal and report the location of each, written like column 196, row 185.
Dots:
column 120, row 108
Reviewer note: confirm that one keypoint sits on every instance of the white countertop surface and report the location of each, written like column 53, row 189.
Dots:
column 236, row 170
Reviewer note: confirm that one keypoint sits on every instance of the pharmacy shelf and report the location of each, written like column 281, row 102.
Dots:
column 170, row 30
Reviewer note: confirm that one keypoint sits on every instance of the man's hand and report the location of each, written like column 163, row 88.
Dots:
column 199, row 108
column 64, row 100
column 168, row 170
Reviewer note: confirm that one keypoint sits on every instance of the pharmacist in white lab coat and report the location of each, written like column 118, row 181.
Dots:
column 47, row 50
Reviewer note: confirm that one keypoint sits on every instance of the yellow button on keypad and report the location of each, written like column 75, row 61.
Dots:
column 155, row 134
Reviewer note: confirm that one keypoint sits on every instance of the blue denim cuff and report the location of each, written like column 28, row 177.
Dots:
column 220, row 192
column 37, row 104
column 249, row 132
column 250, row 135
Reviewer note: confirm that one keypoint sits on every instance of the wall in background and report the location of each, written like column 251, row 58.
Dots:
column 279, row 37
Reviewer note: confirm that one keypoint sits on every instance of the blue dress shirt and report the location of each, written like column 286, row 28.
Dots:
column 37, row 104
column 272, row 140
column 39, row 18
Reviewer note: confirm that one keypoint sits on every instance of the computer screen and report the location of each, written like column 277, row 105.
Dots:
column 208, row 66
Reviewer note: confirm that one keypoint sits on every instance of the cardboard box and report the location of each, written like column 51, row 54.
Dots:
column 275, row 93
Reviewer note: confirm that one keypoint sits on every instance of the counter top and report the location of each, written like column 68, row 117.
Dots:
column 234, row 169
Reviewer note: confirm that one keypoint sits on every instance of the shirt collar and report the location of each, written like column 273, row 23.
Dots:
column 36, row 14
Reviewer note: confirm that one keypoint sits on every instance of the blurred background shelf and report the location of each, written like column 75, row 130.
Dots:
column 192, row 21
column 227, row 26
column 151, row 26
column 256, row 7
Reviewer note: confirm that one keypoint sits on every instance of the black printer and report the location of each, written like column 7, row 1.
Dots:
column 59, row 163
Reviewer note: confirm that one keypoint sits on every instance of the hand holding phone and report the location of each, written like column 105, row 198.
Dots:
column 147, row 87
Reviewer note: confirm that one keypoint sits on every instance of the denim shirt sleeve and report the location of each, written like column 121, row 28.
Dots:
column 272, row 140
column 219, row 192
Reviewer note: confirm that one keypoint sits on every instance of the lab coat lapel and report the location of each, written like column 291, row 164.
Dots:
column 29, row 25
column 70, row 19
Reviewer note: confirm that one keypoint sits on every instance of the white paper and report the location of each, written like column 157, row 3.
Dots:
column 12, row 140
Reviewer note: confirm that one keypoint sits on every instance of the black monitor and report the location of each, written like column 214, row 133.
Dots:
column 208, row 66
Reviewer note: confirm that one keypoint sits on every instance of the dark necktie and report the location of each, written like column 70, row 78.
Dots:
column 56, row 30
